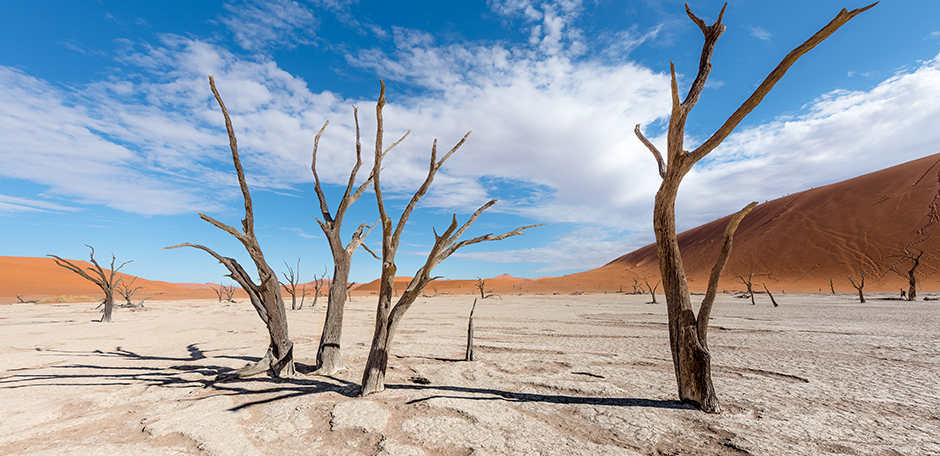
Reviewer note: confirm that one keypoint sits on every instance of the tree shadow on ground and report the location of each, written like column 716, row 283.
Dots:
column 197, row 371
column 489, row 394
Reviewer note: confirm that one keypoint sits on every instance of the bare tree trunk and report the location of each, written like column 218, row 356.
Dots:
column 106, row 282
column 772, row 300
column 469, row 356
column 859, row 286
column 831, row 286
column 388, row 317
column 329, row 354
column 686, row 333
column 651, row 288
column 265, row 297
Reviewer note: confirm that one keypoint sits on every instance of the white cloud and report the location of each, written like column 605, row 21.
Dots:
column 260, row 24
column 581, row 249
column 11, row 204
column 760, row 33
column 839, row 136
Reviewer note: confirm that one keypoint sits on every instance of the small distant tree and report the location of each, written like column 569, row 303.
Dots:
column 318, row 284
column 652, row 289
column 106, row 282
column 749, row 283
column 265, row 296
column 387, row 316
column 832, row 287
column 292, row 278
column 481, row 285
column 127, row 291
column 224, row 292
column 859, row 285
column 911, row 279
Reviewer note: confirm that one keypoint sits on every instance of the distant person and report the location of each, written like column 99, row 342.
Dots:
column 903, row 294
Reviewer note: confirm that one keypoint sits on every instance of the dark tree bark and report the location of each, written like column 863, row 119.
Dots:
column 772, row 300
column 749, row 283
column 329, row 354
column 911, row 279
column 689, row 348
column 652, row 289
column 265, row 296
column 859, row 286
column 469, row 356
column 832, row 287
column 388, row 316
column 104, row 281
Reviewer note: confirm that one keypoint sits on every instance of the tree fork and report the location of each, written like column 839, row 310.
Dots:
column 690, row 357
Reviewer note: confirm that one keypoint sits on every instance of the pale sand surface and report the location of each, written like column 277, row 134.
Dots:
column 556, row 375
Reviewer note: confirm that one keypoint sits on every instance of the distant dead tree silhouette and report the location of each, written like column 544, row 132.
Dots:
column 911, row 279
column 687, row 334
column 127, row 291
column 749, row 283
column 652, row 289
column 859, row 285
column 329, row 354
column 832, row 287
column 387, row 316
column 481, row 285
column 318, row 284
column 265, row 296
column 225, row 291
column 104, row 281
column 292, row 277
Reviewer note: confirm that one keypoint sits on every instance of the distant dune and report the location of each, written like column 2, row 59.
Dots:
column 797, row 243
column 38, row 278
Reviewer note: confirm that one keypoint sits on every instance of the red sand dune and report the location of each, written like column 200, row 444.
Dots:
column 38, row 278
column 799, row 242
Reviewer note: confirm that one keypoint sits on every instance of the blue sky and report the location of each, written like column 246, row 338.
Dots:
column 110, row 136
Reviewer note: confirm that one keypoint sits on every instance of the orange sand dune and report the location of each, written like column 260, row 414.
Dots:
column 799, row 242
column 38, row 278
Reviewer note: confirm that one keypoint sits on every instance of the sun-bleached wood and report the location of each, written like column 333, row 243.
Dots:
column 691, row 359
column 388, row 316
column 329, row 352
column 265, row 296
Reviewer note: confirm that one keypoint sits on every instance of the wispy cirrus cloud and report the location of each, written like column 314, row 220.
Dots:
column 258, row 25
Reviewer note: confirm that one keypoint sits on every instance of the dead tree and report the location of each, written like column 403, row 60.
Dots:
column 292, row 278
column 106, row 282
column 124, row 289
column 481, row 284
column 772, row 300
column 226, row 292
column 265, row 296
column 317, row 285
column 912, row 281
column 329, row 355
column 690, row 354
column 858, row 286
column 469, row 356
column 749, row 283
column 388, row 316
column 832, row 287
column 652, row 289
